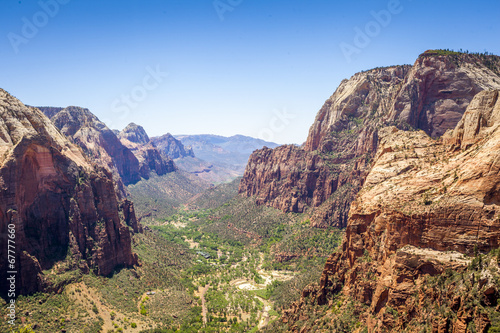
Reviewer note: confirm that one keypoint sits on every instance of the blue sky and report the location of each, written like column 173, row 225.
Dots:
column 258, row 68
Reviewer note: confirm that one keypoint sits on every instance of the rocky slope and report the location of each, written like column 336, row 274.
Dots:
column 98, row 142
column 427, row 206
column 326, row 174
column 64, row 208
column 172, row 147
column 135, row 138
column 185, row 159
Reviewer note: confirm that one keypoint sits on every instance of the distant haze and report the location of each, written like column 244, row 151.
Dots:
column 233, row 150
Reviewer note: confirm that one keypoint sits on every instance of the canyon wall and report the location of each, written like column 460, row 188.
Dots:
column 324, row 176
column 64, row 207
column 427, row 209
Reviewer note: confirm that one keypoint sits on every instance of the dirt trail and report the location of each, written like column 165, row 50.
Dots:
column 265, row 312
column 192, row 243
column 202, row 292
column 87, row 297
column 268, row 276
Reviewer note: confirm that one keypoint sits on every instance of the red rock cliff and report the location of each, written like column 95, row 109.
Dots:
column 135, row 138
column 424, row 204
column 63, row 207
column 430, row 95
column 99, row 143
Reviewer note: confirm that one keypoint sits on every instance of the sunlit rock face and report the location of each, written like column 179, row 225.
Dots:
column 61, row 204
column 324, row 176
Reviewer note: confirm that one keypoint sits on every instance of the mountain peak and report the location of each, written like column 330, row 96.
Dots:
column 135, row 133
column 54, row 196
column 172, row 147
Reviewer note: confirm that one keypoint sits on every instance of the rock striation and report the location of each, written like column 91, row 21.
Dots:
column 135, row 138
column 98, row 142
column 431, row 96
column 427, row 206
column 304, row 180
column 64, row 207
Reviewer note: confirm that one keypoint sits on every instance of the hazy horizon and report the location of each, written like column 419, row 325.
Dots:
column 253, row 68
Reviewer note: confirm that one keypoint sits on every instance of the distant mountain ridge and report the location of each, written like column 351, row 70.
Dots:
column 172, row 147
column 233, row 151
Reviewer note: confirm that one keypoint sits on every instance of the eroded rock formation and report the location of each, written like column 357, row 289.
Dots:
column 427, row 206
column 98, row 142
column 64, row 208
column 135, row 138
column 431, row 95
column 172, row 147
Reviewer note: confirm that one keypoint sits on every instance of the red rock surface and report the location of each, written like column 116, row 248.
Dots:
column 292, row 179
column 59, row 202
column 135, row 138
column 423, row 205
column 98, row 142
column 325, row 175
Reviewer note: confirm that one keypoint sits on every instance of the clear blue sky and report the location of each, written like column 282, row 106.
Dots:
column 226, row 77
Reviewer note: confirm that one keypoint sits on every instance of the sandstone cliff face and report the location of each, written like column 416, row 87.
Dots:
column 324, row 183
column 135, row 133
column 424, row 204
column 430, row 95
column 135, row 138
column 99, row 143
column 63, row 208
column 171, row 147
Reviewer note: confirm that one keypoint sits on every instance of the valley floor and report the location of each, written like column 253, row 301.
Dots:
column 229, row 269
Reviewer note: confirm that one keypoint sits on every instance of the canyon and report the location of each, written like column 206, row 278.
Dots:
column 63, row 206
column 428, row 208
column 324, row 175
column 387, row 219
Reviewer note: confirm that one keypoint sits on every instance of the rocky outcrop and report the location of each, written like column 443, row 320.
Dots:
column 99, row 143
column 425, row 208
column 135, row 138
column 171, row 147
column 483, row 113
column 431, row 95
column 63, row 208
column 135, row 133
column 311, row 181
